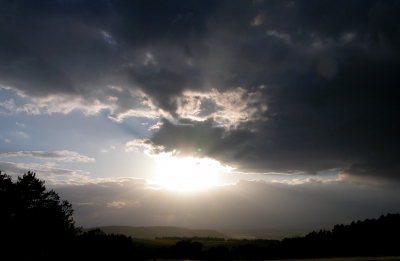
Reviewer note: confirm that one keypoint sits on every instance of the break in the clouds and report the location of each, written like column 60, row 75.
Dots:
column 61, row 155
column 262, row 86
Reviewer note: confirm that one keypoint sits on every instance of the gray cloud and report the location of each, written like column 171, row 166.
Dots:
column 196, row 139
column 291, row 86
column 60, row 155
column 164, row 86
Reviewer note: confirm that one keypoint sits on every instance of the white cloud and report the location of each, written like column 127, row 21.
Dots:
column 21, row 134
column 226, row 108
column 7, row 141
column 123, row 204
column 53, row 104
column 108, row 38
column 112, row 98
column 20, row 124
column 48, row 171
column 155, row 126
column 149, row 59
column 30, row 109
column 282, row 36
column 8, row 104
column 60, row 155
column 116, row 88
column 135, row 145
column 258, row 20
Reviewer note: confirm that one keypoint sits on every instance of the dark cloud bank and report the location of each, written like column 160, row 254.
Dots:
column 283, row 86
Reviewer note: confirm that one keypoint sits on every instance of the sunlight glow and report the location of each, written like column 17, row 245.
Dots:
column 187, row 174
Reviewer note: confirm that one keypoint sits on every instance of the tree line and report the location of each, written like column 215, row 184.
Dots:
column 195, row 238
column 35, row 224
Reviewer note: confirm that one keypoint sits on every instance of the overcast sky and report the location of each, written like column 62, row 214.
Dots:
column 205, row 114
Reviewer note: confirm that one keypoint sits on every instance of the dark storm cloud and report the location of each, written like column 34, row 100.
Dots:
column 292, row 86
column 199, row 139
column 80, row 48
column 330, row 71
column 349, row 122
column 143, row 22
column 23, row 68
column 164, row 86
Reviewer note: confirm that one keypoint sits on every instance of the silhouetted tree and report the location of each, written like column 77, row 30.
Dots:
column 188, row 249
column 36, row 222
column 95, row 244
column 218, row 253
column 6, row 206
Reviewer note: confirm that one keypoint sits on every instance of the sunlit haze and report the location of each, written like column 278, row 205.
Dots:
column 187, row 174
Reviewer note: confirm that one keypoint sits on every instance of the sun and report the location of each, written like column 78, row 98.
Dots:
column 187, row 174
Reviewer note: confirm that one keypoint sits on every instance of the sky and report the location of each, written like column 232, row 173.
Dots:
column 205, row 114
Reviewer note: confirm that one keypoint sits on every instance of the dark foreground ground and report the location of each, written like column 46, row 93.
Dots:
column 380, row 258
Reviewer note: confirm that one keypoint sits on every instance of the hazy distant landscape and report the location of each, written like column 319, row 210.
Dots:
column 277, row 234
column 369, row 238
column 153, row 232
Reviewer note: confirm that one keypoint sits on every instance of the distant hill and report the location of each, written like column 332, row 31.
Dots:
column 276, row 234
column 153, row 232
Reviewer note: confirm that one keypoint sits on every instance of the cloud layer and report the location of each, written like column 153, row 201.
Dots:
column 52, row 173
column 264, row 86
column 311, row 204
column 60, row 155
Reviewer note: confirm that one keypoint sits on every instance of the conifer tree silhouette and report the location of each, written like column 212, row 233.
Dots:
column 35, row 222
